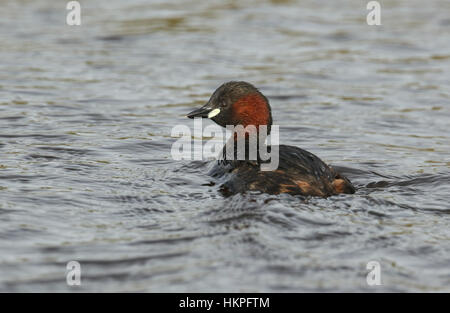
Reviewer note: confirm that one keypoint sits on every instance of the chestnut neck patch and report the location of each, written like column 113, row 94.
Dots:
column 252, row 109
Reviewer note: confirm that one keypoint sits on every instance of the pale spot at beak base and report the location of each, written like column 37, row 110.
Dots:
column 213, row 113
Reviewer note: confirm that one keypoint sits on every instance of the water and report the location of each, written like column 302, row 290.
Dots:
column 86, row 173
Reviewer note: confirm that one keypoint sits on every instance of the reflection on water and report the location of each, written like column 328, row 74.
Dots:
column 86, row 173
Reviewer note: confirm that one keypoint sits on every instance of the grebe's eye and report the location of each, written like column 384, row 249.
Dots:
column 223, row 104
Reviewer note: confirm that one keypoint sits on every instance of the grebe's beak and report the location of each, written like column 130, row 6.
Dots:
column 204, row 112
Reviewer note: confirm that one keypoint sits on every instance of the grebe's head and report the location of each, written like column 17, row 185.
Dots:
column 236, row 103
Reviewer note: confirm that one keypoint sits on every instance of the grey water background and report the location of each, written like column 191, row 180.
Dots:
column 86, row 174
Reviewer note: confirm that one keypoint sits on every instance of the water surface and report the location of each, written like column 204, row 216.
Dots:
column 86, row 172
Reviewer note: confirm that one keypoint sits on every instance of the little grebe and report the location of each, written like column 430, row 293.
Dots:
column 299, row 172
